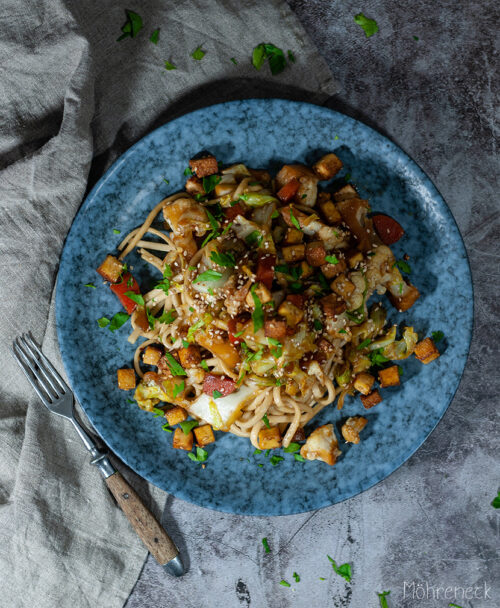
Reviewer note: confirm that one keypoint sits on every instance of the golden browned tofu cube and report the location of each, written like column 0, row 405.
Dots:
column 194, row 186
column 306, row 270
column 269, row 438
column 293, row 236
column 292, row 313
column 190, row 356
column 315, row 253
column 223, row 189
column 204, row 435
column 175, row 415
column 332, row 270
column 291, row 387
column 345, row 193
column 355, row 259
column 262, row 292
column 406, row 299
column 371, row 399
column 151, row 355
column 332, row 305
column 389, row 376
column 126, row 379
column 342, row 286
column 322, row 445
column 111, row 269
column 364, row 382
column 294, row 253
column 330, row 212
column 327, row 166
column 182, row 441
column 352, row 427
column 426, row 351
column 202, row 167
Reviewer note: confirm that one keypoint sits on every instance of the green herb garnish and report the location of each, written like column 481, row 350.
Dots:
column 342, row 331
column 103, row 321
column 294, row 220
column 266, row 545
column 198, row 54
column 292, row 447
column 344, row 570
column 170, row 66
column 168, row 317
column 402, row 265
column 204, row 365
column 115, row 231
column 369, row 26
column 291, row 57
column 130, row 401
column 234, row 61
column 178, row 388
column 299, row 458
column 174, row 366
column 223, row 259
column 188, row 425
column 166, row 427
column 258, row 313
column 274, row 460
column 158, row 412
column 318, row 326
column 90, row 285
column 296, row 577
column 275, row 55
column 285, row 583
column 194, row 328
column 135, row 297
column 200, row 456
column 437, row 335
column 155, row 36
column 257, row 451
column 383, row 601
column 416, row 38
column 254, row 238
column 496, row 501
column 265, row 420
column 217, row 394
column 377, row 358
column 364, row 344
column 188, row 172
column 208, row 275
column 331, row 259
column 210, row 182
column 131, row 27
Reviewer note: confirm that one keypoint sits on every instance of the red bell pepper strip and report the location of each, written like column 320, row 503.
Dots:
column 265, row 269
column 289, row 190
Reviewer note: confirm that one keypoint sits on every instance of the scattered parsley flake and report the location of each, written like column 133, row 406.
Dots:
column 274, row 214
column 285, row 583
column 155, row 36
column 331, row 259
column 364, row 344
column 299, row 458
column 188, row 425
column 132, row 26
column 170, row 66
column 130, row 281
column 116, row 321
column 272, row 53
column 131, row 401
column 200, row 456
column 437, row 335
column 204, row 365
column 174, row 366
column 254, row 238
column 135, row 297
column 318, row 326
column 216, row 394
column 166, row 181
column 296, row 577
column 257, row 451
column 265, row 420
column 258, row 313
column 292, row 447
column 198, row 54
column 166, row 427
column 291, row 56
column 208, row 275
column 266, row 545
column 377, row 358
column 234, row 61
column 344, row 570
column 336, row 137
column 342, row 331
column 274, row 460
column 188, row 172
column 90, row 285
column 223, row 259
column 158, row 412
column 116, row 231
column 294, row 220
column 416, row 38
column 383, row 601
column 496, row 501
column 322, row 579
column 260, row 465
column 266, row 453
column 402, row 265
column 369, row 26
column 168, row 317
column 210, row 182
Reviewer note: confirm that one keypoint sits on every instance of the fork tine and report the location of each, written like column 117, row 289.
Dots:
column 24, row 364
column 65, row 388
column 46, row 382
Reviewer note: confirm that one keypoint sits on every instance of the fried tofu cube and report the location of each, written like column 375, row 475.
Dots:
column 202, row 167
column 299, row 435
column 330, row 212
column 332, row 306
column 291, row 387
column 342, row 286
column 364, row 382
column 315, row 253
column 306, row 270
column 190, row 356
column 327, row 166
column 371, row 399
column 426, row 351
column 111, row 269
column 194, row 186
column 293, row 236
column 262, row 292
column 204, row 435
column 275, row 328
column 352, row 427
column 294, row 253
column 292, row 313
column 389, row 376
column 332, row 270
column 151, row 355
column 345, row 193
column 126, row 379
column 406, row 299
column 269, row 438
column 182, row 441
column 322, row 445
column 355, row 259
column 175, row 415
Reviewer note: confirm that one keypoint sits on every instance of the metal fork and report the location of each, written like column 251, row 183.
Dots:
column 58, row 398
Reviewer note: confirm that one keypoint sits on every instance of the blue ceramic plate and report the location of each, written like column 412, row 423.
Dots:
column 265, row 133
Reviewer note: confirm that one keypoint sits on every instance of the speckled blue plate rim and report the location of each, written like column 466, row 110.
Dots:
column 154, row 476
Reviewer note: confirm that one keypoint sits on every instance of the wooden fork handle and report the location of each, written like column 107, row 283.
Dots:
column 152, row 534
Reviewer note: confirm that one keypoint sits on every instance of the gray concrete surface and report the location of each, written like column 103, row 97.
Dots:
column 430, row 524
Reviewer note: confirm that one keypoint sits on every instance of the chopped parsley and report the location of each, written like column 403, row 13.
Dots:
column 331, row 259
column 272, row 53
column 234, row 61
column 158, row 412
column 194, row 328
column 321, row 578
column 188, row 172
column 188, row 425
column 274, row 214
column 130, row 401
column 377, row 358
column 369, row 26
column 265, row 420
column 364, row 344
column 254, row 238
column 292, row 447
column 402, row 265
column 168, row 317
column 274, row 460
column 166, row 427
column 204, row 365
column 223, row 259
column 165, row 284
column 383, row 601
column 496, row 501
column 344, row 570
column 103, row 321
column 170, row 66
column 285, row 583
column 135, row 297
column 342, row 331
column 116, row 321
column 131, row 27
column 155, row 36
column 291, row 56
column 198, row 54
column 217, row 394
column 258, row 313
column 294, row 220
column 208, row 275
column 200, row 456
column 151, row 318
column 299, row 458
column 166, row 181
column 416, row 38
column 267, row 549
column 210, row 182
column 174, row 366
column 318, row 326
column 116, row 231
column 437, row 335
column 90, row 285
column 296, row 577
column 257, row 451
column 178, row 388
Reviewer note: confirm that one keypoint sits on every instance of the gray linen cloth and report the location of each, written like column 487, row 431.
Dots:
column 72, row 100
